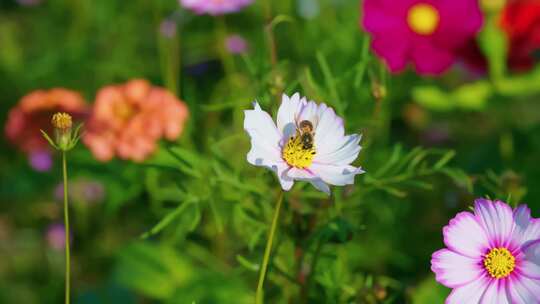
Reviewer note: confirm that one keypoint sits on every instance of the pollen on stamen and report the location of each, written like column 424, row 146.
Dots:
column 296, row 155
column 62, row 121
column 499, row 263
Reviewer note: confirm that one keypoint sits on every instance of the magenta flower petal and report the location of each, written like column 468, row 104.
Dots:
column 469, row 293
column 429, row 59
column 394, row 50
column 497, row 219
column 443, row 265
column 464, row 235
column 496, row 293
column 215, row 7
column 526, row 228
column 40, row 161
column 530, row 267
column 523, row 290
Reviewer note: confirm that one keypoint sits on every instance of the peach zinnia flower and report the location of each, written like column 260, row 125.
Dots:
column 128, row 119
column 34, row 112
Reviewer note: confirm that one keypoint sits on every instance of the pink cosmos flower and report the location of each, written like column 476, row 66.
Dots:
column 492, row 256
column 56, row 236
column 236, row 44
column 34, row 111
column 308, row 144
column 426, row 33
column 41, row 161
column 128, row 119
column 215, row 7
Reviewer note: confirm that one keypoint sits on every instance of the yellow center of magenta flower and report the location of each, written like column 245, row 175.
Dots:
column 499, row 263
column 423, row 18
column 296, row 154
column 61, row 121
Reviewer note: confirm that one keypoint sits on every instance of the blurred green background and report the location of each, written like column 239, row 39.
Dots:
column 189, row 224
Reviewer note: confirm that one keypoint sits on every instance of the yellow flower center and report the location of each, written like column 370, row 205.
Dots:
column 499, row 262
column 61, row 121
column 296, row 154
column 423, row 18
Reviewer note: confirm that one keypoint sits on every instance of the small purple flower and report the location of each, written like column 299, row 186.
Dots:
column 236, row 44
column 426, row 33
column 215, row 7
column 91, row 191
column 40, row 161
column 81, row 191
column 492, row 256
column 167, row 28
column 56, row 236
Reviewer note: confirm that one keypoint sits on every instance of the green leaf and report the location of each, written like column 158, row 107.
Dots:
column 167, row 219
column 432, row 98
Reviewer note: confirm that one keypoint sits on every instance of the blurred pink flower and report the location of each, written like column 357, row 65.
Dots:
column 215, row 7
column 40, row 161
column 426, row 33
column 236, row 44
column 81, row 191
column 167, row 28
column 34, row 112
column 56, row 236
column 128, row 119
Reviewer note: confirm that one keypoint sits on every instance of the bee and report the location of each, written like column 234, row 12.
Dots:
column 305, row 130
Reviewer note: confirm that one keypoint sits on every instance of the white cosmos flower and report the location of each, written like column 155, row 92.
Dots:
column 281, row 148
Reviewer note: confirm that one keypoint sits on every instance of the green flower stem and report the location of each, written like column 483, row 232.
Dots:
column 225, row 56
column 66, row 224
column 259, row 297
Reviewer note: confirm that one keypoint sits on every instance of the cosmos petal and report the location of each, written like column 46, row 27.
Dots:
column 530, row 265
column 526, row 228
column 286, row 116
column 523, row 290
column 496, row 293
column 469, row 293
column 344, row 155
column 281, row 169
column 265, row 138
column 309, row 112
column 497, row 219
column 335, row 175
column 306, row 175
column 320, row 185
column 464, row 235
column 300, row 174
column 453, row 269
column 429, row 59
column 330, row 131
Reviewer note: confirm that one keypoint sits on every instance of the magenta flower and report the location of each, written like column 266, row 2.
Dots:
column 56, row 236
column 41, row 161
column 167, row 28
column 492, row 256
column 426, row 33
column 236, row 44
column 215, row 7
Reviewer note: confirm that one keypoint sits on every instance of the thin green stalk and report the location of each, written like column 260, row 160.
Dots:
column 66, row 224
column 221, row 35
column 259, row 297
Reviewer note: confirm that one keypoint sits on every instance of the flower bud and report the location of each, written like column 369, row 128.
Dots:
column 62, row 124
column 64, row 136
column 62, row 121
